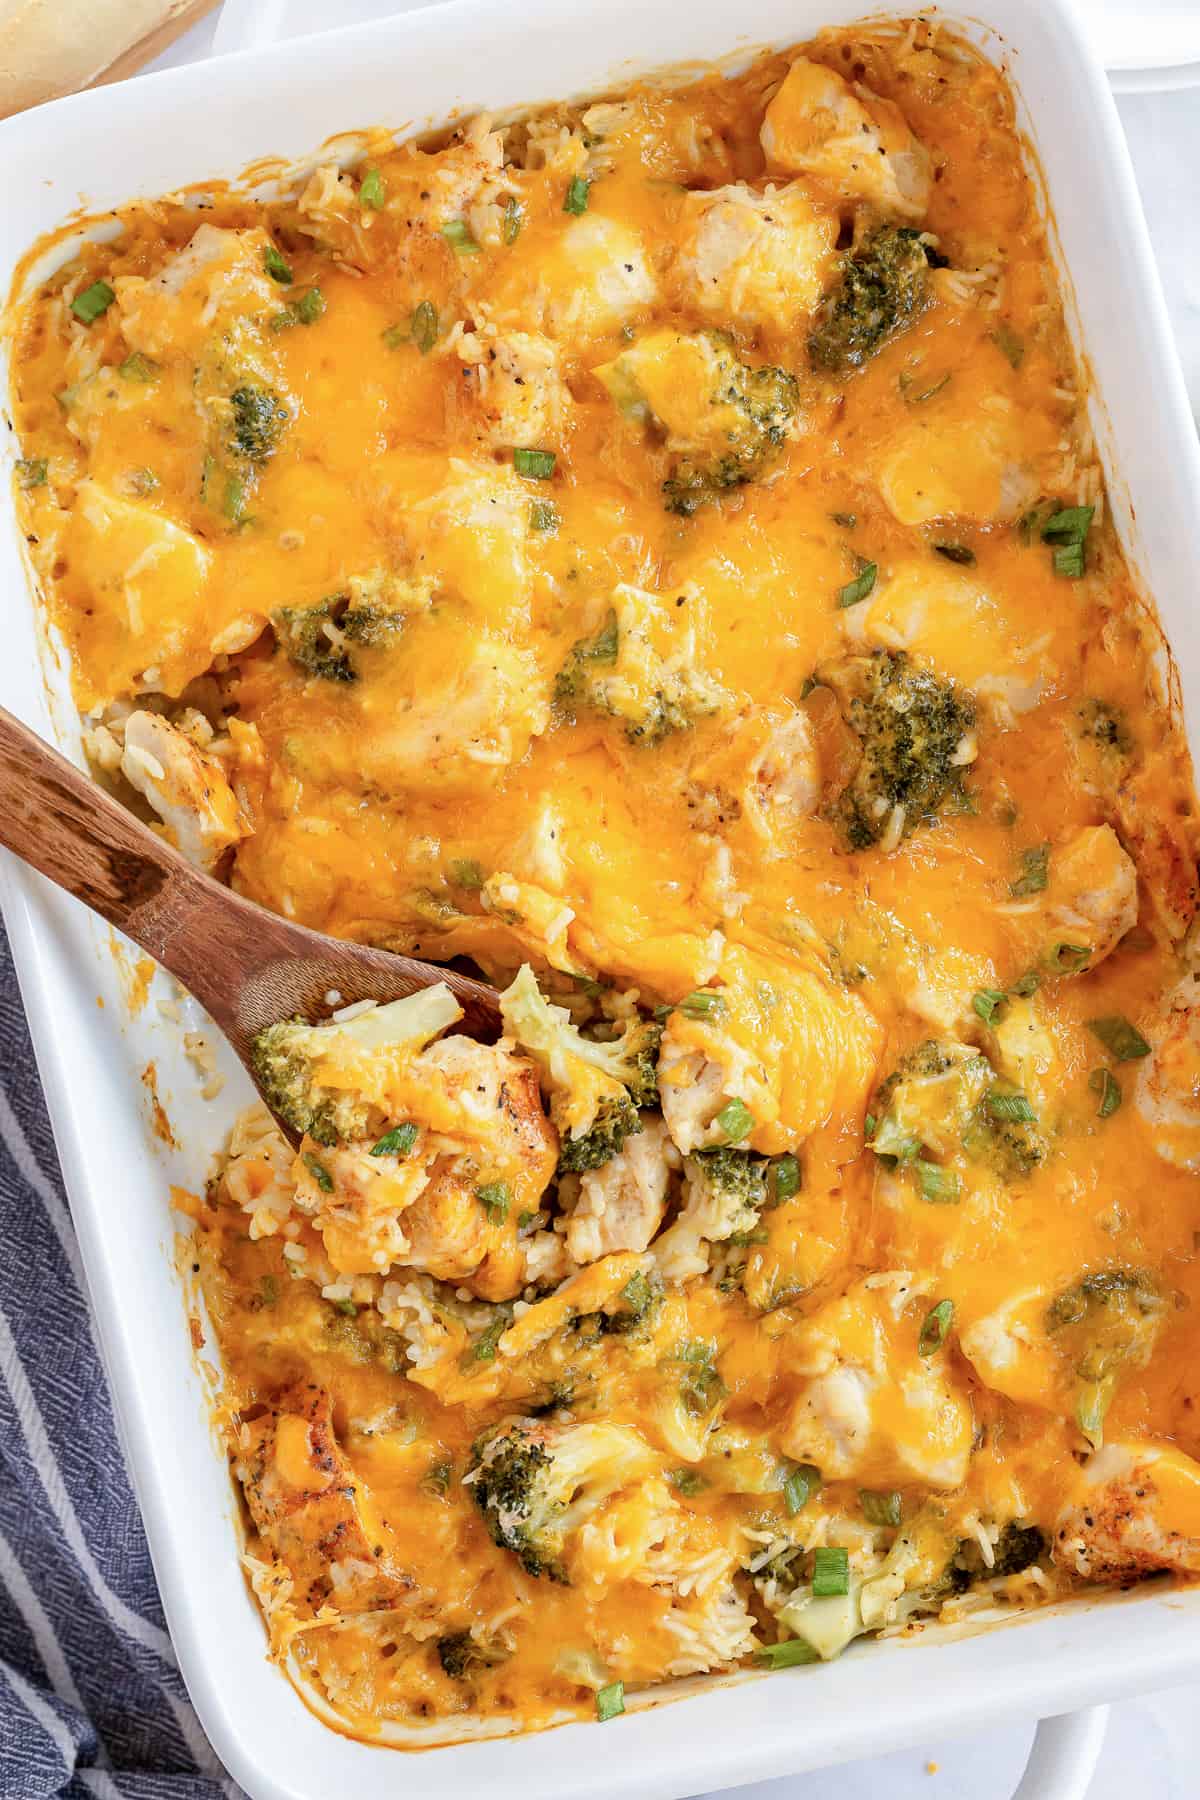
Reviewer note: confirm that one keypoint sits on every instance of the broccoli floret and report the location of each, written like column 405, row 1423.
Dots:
column 257, row 419
column 737, row 1174
column 945, row 1097
column 1105, row 725
column 1105, row 1322
column 881, row 288
column 724, row 417
column 641, row 1299
column 596, row 1089
column 914, row 733
column 535, row 1483
column 289, row 1059
column 316, row 638
column 462, row 1655
column 621, row 672
column 1018, row 1547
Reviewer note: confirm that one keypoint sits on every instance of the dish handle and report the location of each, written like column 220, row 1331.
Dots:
column 1064, row 1755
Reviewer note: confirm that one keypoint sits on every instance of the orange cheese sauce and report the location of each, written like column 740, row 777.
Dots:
column 437, row 785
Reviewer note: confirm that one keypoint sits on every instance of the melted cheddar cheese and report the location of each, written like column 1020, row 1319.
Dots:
column 657, row 546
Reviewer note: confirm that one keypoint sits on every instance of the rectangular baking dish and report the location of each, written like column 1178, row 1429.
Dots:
column 100, row 1062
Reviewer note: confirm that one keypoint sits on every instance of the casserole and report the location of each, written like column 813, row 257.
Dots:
column 733, row 1766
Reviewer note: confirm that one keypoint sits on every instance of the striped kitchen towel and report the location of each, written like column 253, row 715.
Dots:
column 91, row 1699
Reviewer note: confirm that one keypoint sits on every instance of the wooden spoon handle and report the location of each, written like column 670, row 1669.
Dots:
column 246, row 966
column 56, row 818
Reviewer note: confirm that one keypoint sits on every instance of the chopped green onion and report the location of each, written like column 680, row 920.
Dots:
column 372, row 190
column 800, row 1485
column 1027, row 985
column 575, row 199
column 465, row 872
column 138, row 368
column 791, row 1654
column 457, row 234
column 736, row 1121
column 543, row 516
column 687, row 1482
column 859, row 588
column 394, row 336
column 1009, row 344
column 305, row 309
column 935, row 1182
column 787, row 1177
column 610, row 1701
column 869, row 1124
column 424, row 329
column 1067, row 530
column 1068, row 959
column 742, row 1240
column 1035, row 872
column 1121, row 1039
column 484, row 1347
column 1013, row 1107
column 93, row 301
column 934, row 1328
column 880, row 1509
column 31, row 472
column 347, row 1307
column 234, row 503
column 276, row 267
column 1105, row 1085
column 514, row 218
column 318, row 1171
column 906, row 381
column 701, row 1003
column 534, row 465
column 957, row 553
column 495, row 1199
column 1069, row 526
column 831, row 1571
column 396, row 1142
column 985, row 1002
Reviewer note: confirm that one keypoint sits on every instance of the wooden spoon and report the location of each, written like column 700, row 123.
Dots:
column 246, row 966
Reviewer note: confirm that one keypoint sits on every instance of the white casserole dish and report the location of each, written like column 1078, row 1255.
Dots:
column 101, row 148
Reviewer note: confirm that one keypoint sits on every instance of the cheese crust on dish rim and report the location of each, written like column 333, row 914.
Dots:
column 655, row 550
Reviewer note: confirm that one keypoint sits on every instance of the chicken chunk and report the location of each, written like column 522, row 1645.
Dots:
column 1091, row 902
column 313, row 1512
column 848, row 139
column 187, row 788
column 1168, row 1087
column 621, row 1204
column 869, row 1408
column 961, row 466
column 597, row 279
column 1134, row 1510
column 517, row 395
column 765, row 769
column 779, row 1056
column 1162, row 842
column 754, row 259
column 219, row 274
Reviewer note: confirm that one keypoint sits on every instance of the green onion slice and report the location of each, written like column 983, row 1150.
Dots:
column 575, row 200
column 1121, row 1039
column 277, row 268
column 1107, row 1089
column 934, row 1328
column 736, row 1121
column 880, row 1509
column 93, row 301
column 701, row 1004
column 937, row 1184
column 495, row 1199
column 800, row 1485
column 786, row 1177
column 372, row 190
column 1013, row 1107
column 514, row 218
column 31, row 472
column 396, row 1142
column 318, row 1171
column 610, row 1701
column 534, row 465
column 791, row 1654
column 831, row 1571
column 424, row 330
column 457, row 234
column 859, row 588
column 986, row 1001
column 543, row 516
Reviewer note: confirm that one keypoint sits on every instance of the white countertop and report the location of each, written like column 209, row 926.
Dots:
column 1152, row 1749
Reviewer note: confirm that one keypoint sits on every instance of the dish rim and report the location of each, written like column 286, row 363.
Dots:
column 47, row 936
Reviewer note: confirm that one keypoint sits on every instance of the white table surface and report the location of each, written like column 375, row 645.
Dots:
column 1152, row 1750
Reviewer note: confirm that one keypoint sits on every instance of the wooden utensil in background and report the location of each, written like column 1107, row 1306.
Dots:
column 50, row 47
